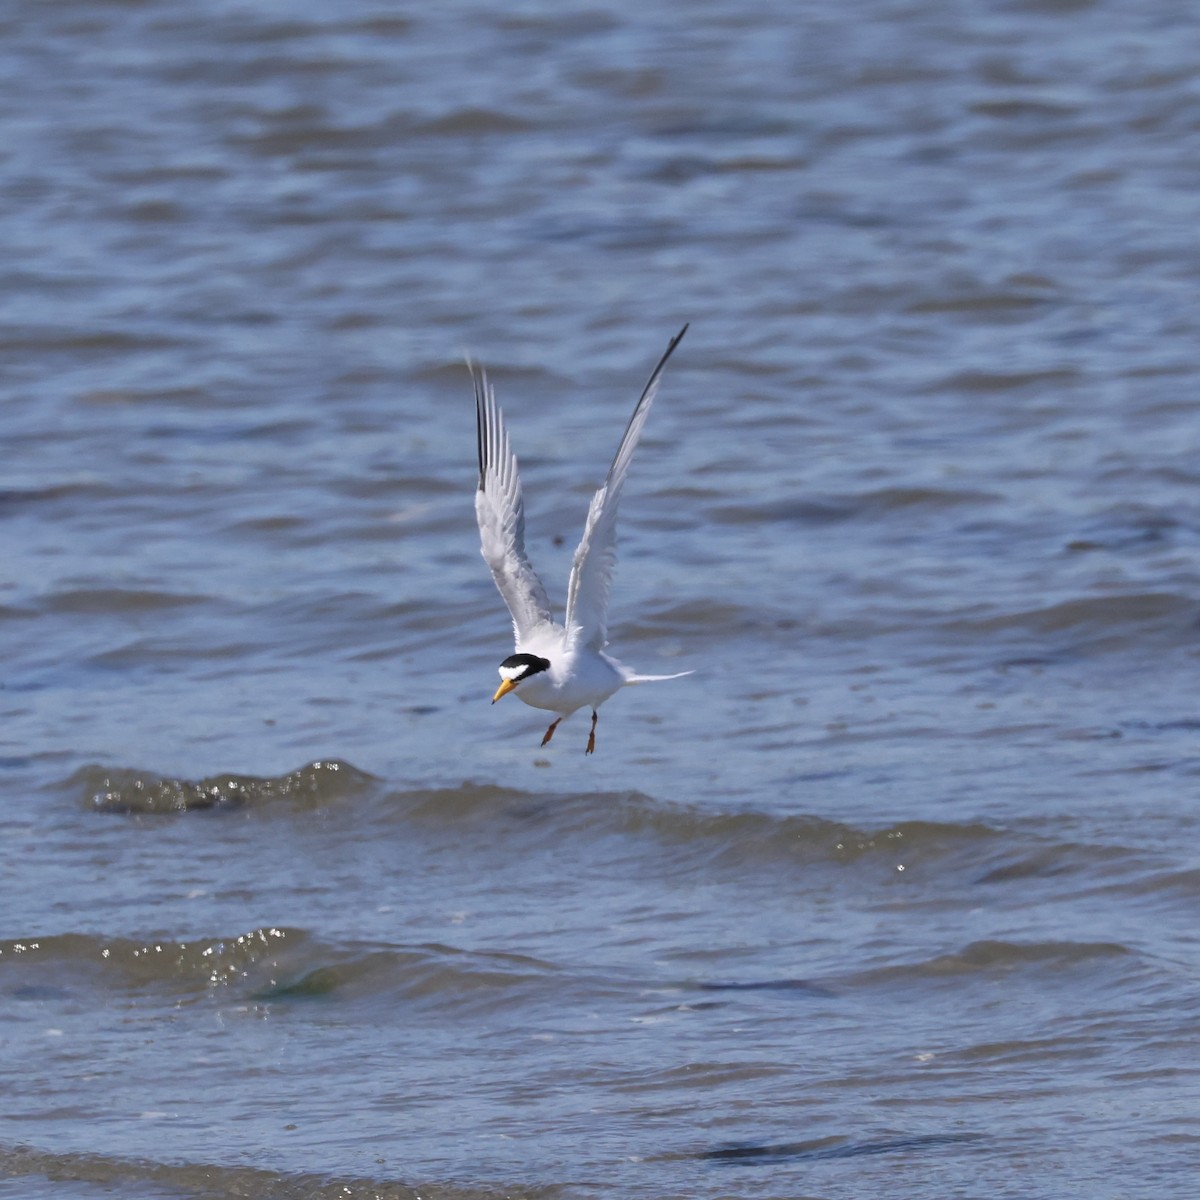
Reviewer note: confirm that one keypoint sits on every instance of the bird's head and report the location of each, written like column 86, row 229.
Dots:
column 515, row 669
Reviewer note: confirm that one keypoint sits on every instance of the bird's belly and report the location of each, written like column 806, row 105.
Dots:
column 540, row 693
column 590, row 684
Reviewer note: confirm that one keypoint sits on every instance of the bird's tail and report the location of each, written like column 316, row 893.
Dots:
column 630, row 677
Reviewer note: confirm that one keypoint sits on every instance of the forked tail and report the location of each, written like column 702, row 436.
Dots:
column 630, row 677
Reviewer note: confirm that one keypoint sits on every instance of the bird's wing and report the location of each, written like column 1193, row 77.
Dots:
column 501, row 515
column 596, row 556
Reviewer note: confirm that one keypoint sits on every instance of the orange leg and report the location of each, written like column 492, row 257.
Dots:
column 550, row 732
column 591, row 746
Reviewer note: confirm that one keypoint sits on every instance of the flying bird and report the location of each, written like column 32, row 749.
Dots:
column 559, row 668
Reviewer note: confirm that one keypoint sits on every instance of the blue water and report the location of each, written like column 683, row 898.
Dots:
column 896, row 893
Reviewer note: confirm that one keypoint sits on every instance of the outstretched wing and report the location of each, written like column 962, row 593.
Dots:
column 596, row 556
column 501, row 515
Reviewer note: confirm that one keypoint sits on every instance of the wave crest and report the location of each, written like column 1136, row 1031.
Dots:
column 121, row 790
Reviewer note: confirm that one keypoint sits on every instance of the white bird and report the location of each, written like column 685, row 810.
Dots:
column 560, row 668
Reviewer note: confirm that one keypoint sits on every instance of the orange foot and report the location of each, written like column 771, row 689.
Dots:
column 591, row 746
column 550, row 732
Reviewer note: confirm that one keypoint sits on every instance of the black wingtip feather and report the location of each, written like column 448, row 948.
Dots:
column 662, row 362
column 483, row 415
column 480, row 381
column 658, row 370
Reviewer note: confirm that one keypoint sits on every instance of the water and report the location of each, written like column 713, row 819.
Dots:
column 896, row 895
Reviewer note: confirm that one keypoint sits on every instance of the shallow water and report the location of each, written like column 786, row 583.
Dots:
column 896, row 895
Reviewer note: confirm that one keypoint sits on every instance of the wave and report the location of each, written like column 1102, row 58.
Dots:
column 679, row 835
column 848, row 507
column 989, row 958
column 1099, row 613
column 269, row 968
column 762, row 1155
column 274, row 966
column 129, row 1176
column 742, row 845
column 681, row 838
column 127, row 791
column 1002, row 381
column 634, row 815
column 100, row 600
column 1171, row 887
column 87, row 492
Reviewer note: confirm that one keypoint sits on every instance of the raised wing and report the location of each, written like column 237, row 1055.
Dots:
column 501, row 515
column 596, row 555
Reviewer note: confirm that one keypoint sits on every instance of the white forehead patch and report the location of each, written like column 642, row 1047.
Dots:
column 511, row 673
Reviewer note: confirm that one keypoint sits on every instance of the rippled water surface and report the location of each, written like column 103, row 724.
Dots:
column 896, row 895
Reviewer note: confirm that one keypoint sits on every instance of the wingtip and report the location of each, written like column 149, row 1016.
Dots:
column 479, row 379
column 662, row 362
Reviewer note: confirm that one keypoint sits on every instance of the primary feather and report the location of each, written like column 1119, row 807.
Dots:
column 596, row 556
column 500, row 510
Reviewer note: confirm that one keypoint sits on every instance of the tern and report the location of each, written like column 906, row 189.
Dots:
column 559, row 668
